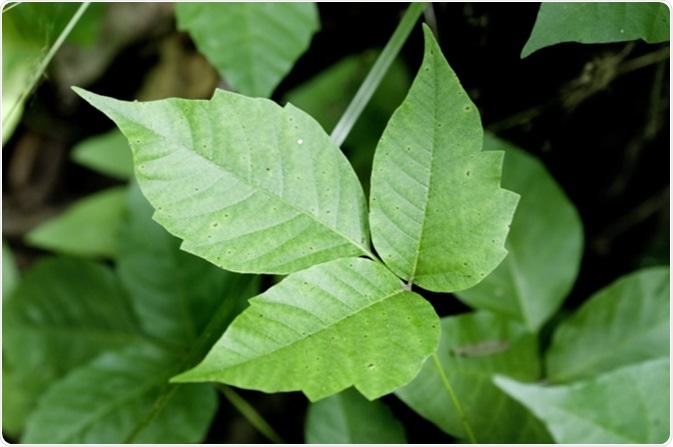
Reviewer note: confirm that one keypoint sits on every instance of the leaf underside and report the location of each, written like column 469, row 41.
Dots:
column 438, row 215
column 247, row 185
column 342, row 323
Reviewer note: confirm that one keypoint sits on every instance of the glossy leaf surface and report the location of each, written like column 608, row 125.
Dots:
column 249, row 186
column 342, row 323
column 624, row 323
column 349, row 418
column 473, row 347
column 544, row 245
column 629, row 405
column 438, row 215
column 123, row 397
column 594, row 22
column 252, row 45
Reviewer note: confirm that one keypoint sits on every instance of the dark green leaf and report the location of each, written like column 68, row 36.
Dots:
column 122, row 395
column 599, row 22
column 626, row 322
column 630, row 405
column 473, row 347
column 349, row 418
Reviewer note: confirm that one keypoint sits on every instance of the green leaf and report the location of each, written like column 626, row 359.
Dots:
column 591, row 22
column 10, row 272
column 108, row 153
column 438, row 216
column 342, row 323
column 626, row 322
column 249, row 186
column 88, row 228
column 115, row 395
column 252, row 45
column 63, row 313
column 349, row 418
column 544, row 245
column 630, row 405
column 175, row 293
column 472, row 348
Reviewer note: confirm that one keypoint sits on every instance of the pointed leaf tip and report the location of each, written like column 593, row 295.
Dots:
column 437, row 213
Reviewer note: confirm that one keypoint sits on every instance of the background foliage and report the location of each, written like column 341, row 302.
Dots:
column 94, row 292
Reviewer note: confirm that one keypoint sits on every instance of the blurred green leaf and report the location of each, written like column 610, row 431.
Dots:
column 630, row 405
column 63, row 313
column 123, row 397
column 252, row 45
column 544, row 245
column 10, row 273
column 88, row 228
column 598, row 22
column 109, row 154
column 349, row 418
column 472, row 348
column 626, row 322
column 175, row 293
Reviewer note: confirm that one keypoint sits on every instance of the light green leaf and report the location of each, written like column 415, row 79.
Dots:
column 438, row 215
column 88, row 228
column 175, row 293
column 349, row 418
column 342, row 323
column 626, row 322
column 594, row 22
column 63, row 313
column 111, row 398
column 249, row 186
column 472, row 348
column 544, row 245
column 630, row 405
column 108, row 153
column 252, row 45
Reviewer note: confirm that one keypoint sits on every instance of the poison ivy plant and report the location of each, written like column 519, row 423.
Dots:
column 590, row 22
column 253, row 187
column 634, row 405
column 256, row 44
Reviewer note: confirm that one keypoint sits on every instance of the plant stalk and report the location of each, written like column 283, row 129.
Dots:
column 249, row 412
column 376, row 74
column 454, row 398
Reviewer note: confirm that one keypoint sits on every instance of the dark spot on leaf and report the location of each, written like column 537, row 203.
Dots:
column 467, row 173
column 370, row 366
column 467, row 108
column 214, row 224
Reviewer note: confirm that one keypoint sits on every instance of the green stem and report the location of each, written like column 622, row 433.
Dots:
column 378, row 71
column 47, row 59
column 454, row 398
column 247, row 410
